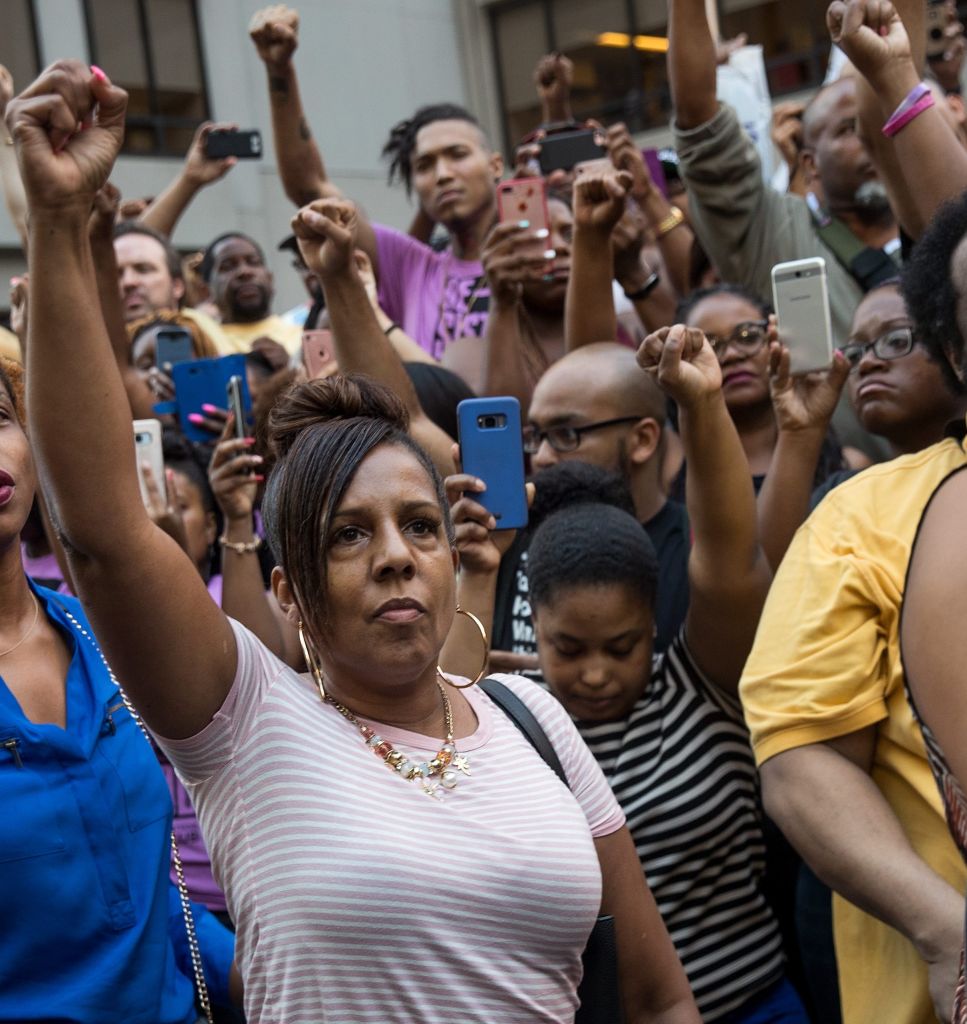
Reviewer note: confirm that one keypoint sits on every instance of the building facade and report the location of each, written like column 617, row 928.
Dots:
column 363, row 65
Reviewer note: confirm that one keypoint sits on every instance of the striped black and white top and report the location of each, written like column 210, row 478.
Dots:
column 682, row 769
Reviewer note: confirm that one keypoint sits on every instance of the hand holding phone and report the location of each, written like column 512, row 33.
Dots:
column 148, row 451
column 801, row 300
column 244, row 145
column 562, row 150
column 491, row 448
column 317, row 354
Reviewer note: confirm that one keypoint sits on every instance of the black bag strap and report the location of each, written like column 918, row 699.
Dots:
column 520, row 714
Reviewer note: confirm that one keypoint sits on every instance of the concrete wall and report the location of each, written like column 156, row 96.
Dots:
column 362, row 64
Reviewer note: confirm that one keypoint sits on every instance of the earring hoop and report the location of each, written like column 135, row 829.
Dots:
column 312, row 661
column 486, row 645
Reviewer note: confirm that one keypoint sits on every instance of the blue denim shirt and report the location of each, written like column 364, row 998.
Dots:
column 85, row 818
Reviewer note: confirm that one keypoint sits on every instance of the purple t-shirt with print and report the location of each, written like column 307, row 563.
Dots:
column 435, row 297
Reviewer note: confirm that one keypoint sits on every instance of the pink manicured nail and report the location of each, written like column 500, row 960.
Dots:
column 249, row 440
column 194, row 417
column 98, row 73
column 209, row 408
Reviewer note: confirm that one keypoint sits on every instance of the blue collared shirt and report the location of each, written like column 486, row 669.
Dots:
column 85, row 817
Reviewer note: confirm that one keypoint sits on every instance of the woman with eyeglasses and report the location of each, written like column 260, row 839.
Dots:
column 899, row 389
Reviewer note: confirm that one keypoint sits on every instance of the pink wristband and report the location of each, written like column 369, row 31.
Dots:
column 903, row 117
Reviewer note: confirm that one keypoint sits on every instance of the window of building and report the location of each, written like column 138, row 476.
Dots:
column 153, row 50
column 617, row 47
column 19, row 53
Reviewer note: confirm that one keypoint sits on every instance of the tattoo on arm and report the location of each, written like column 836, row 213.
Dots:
column 304, row 133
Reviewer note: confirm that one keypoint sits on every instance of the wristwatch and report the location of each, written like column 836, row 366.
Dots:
column 646, row 289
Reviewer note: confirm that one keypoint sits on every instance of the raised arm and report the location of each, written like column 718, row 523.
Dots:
column 275, row 32
column 553, row 77
column 101, row 233
column 667, row 224
column 804, row 406
column 692, row 60
column 599, row 201
column 931, row 163
column 512, row 255
column 327, row 231
column 727, row 573
column 159, row 628
column 198, row 171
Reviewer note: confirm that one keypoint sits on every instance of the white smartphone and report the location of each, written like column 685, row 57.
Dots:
column 801, row 301
column 147, row 448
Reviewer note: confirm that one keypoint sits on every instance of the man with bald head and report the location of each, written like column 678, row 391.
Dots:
column 596, row 405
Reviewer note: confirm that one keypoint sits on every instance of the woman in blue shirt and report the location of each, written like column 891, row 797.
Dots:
column 93, row 930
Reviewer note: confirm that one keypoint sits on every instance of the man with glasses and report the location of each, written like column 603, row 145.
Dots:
column 595, row 405
column 842, row 762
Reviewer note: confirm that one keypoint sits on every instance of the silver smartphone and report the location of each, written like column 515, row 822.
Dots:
column 147, row 448
column 801, row 300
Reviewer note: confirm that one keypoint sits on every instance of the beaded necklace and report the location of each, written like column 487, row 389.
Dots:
column 446, row 764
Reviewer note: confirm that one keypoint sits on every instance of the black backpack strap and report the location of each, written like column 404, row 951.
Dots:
column 520, row 714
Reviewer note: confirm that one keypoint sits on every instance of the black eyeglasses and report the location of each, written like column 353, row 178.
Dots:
column 747, row 338
column 566, row 438
column 893, row 345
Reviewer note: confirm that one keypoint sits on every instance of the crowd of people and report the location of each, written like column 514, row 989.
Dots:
column 292, row 731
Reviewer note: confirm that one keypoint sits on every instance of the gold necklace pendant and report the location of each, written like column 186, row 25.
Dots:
column 434, row 776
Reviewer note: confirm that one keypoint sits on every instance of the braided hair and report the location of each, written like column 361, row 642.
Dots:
column 402, row 138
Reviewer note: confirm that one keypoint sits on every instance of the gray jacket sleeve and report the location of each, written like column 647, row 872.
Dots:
column 744, row 225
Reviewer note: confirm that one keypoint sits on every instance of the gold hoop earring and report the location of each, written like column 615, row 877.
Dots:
column 312, row 661
column 486, row 644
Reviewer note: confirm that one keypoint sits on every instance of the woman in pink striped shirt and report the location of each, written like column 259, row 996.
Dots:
column 366, row 883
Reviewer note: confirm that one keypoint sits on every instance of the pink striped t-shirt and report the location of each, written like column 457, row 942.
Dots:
column 358, row 898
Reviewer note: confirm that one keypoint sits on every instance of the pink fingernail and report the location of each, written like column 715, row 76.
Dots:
column 249, row 440
column 209, row 408
column 194, row 417
column 98, row 73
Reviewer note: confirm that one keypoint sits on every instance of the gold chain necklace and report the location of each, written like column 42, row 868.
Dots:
column 446, row 764
column 30, row 628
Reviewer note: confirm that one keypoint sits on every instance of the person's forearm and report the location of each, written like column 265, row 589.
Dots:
column 13, row 190
column 505, row 372
column 243, row 590
column 692, row 62
column 300, row 163
column 852, row 840
column 931, row 162
column 718, row 488
column 783, row 502
column 362, row 347
column 556, row 110
column 476, row 593
column 404, row 346
column 139, row 394
column 675, row 245
column 167, row 209
column 72, row 378
column 421, row 226
column 589, row 308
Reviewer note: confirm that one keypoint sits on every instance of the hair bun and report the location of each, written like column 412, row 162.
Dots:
column 340, row 397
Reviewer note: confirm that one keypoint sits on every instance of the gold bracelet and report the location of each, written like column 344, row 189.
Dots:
column 241, row 547
column 671, row 222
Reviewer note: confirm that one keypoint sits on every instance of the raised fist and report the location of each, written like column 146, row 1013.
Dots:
column 68, row 127
column 275, row 32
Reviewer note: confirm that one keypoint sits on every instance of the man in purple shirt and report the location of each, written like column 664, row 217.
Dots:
column 442, row 154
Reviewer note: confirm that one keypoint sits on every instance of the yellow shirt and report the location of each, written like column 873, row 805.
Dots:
column 241, row 336
column 826, row 662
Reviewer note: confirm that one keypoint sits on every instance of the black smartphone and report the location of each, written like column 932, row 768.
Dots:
column 560, row 152
column 173, row 345
column 246, row 145
column 236, row 404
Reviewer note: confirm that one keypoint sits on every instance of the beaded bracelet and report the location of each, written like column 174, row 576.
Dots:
column 916, row 102
column 241, row 547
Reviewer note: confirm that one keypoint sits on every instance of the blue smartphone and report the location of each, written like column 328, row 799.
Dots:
column 205, row 382
column 491, row 447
